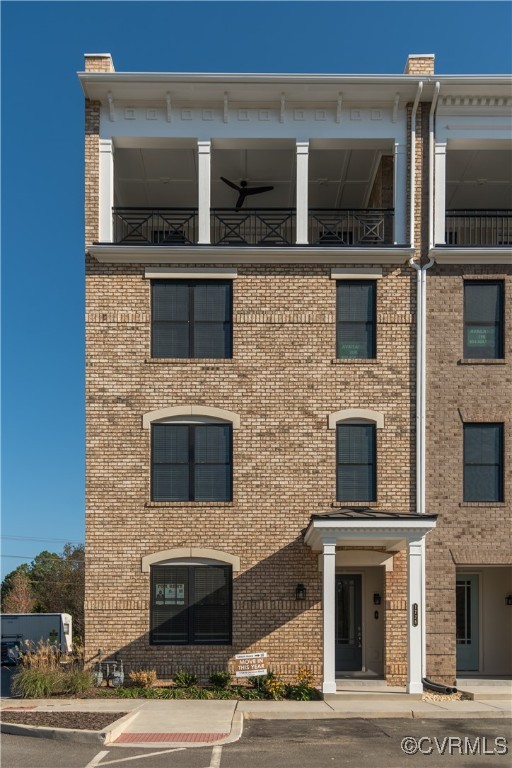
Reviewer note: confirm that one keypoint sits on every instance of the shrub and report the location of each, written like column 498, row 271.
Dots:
column 185, row 679
column 43, row 656
column 303, row 688
column 274, row 687
column 76, row 681
column 35, row 683
column 219, row 679
column 143, row 678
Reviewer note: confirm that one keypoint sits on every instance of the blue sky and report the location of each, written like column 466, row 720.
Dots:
column 42, row 183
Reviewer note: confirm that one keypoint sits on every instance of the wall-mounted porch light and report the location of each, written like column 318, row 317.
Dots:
column 300, row 592
column 376, row 598
column 508, row 600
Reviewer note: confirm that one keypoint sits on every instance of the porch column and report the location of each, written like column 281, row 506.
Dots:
column 414, row 616
column 328, row 605
column 204, row 194
column 106, row 191
column 400, row 194
column 440, row 194
column 301, row 214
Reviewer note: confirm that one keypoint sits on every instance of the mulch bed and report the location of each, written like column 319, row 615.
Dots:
column 89, row 721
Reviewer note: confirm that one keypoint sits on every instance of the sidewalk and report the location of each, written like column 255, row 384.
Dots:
column 190, row 723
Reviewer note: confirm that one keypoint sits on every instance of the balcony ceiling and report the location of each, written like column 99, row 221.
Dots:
column 478, row 179
column 339, row 178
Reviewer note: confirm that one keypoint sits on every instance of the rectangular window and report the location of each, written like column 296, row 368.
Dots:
column 483, row 319
column 191, row 318
column 356, row 318
column 191, row 462
column 191, row 604
column 356, row 462
column 483, row 462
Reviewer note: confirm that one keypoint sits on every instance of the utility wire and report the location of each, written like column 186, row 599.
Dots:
column 32, row 538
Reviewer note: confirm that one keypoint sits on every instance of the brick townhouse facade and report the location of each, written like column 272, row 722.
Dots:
column 298, row 396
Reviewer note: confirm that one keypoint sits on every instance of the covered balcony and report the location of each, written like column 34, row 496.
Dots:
column 275, row 193
column 478, row 199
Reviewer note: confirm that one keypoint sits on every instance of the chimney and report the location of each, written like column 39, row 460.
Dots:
column 99, row 62
column 420, row 64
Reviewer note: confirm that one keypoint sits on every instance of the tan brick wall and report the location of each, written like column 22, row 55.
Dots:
column 470, row 534
column 420, row 65
column 283, row 381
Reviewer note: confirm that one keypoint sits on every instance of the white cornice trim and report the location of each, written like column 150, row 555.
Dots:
column 133, row 254
column 472, row 255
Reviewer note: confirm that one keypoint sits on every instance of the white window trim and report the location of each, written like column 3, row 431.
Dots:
column 162, row 414
column 356, row 414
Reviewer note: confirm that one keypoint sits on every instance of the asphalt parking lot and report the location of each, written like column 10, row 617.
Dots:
column 356, row 743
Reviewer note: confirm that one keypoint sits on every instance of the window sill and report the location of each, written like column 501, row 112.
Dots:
column 481, row 361
column 189, row 360
column 364, row 504
column 485, row 504
column 355, row 361
column 188, row 504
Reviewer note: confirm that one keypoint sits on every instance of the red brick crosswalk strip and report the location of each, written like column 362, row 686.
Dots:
column 182, row 738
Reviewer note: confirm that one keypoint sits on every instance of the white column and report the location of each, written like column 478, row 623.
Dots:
column 329, row 607
column 204, row 184
column 301, row 214
column 440, row 194
column 106, row 191
column 414, row 616
column 400, row 194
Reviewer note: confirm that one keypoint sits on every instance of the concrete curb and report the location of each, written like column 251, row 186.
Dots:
column 105, row 736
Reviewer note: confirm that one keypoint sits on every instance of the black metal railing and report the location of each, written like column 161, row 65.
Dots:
column 256, row 226
column 155, row 226
column 356, row 227
column 479, row 227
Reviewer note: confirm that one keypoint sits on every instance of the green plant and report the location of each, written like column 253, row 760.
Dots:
column 143, row 678
column 274, row 687
column 76, row 681
column 184, row 679
column 219, row 679
column 303, row 688
column 35, row 683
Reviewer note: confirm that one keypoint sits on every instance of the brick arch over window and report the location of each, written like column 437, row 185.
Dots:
column 190, row 410
column 363, row 414
column 181, row 553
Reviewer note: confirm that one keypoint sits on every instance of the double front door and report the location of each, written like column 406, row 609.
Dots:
column 349, row 638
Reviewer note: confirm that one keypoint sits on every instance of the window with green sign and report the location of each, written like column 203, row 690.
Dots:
column 356, row 315
column 483, row 319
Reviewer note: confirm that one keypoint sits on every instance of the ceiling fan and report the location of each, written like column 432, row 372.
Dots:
column 243, row 190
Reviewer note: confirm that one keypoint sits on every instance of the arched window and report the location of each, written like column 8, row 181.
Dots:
column 356, row 454
column 191, row 453
column 191, row 601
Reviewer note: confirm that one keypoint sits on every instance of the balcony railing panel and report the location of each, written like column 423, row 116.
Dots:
column 257, row 226
column 343, row 227
column 479, row 228
column 155, row 226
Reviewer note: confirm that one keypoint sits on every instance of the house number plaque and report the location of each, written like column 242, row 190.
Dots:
column 415, row 614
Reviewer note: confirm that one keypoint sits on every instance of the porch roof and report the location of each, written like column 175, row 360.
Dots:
column 362, row 526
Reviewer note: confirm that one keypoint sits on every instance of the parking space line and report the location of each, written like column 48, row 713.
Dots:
column 96, row 759
column 216, row 755
column 134, row 757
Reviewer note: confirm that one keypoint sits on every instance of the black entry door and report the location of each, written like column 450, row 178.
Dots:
column 349, row 638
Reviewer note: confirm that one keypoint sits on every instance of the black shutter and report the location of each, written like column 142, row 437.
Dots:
column 170, row 470
column 483, row 319
column 212, row 462
column 356, row 315
column 170, row 600
column 483, row 462
column 170, row 310
column 356, row 475
column 212, row 605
